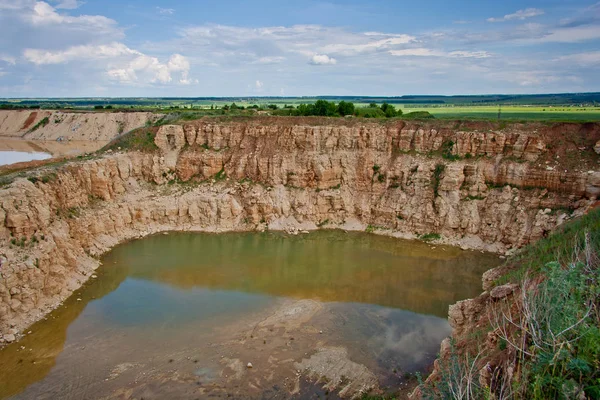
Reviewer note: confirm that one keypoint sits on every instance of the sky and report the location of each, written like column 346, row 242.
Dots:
column 160, row 48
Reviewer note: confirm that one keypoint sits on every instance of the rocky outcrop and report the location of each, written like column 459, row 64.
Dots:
column 88, row 126
column 399, row 179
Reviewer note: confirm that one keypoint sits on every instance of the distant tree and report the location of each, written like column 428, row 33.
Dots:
column 109, row 107
column 345, row 108
column 272, row 106
column 389, row 110
column 226, row 107
column 98, row 107
column 304, row 109
column 234, row 106
column 373, row 105
column 325, row 108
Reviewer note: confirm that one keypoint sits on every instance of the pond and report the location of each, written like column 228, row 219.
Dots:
column 11, row 157
column 181, row 315
column 13, row 150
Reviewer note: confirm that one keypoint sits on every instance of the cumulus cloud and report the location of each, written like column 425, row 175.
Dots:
column 322, row 59
column 258, row 84
column 123, row 64
column 112, row 50
column 144, row 69
column 44, row 13
column 519, row 15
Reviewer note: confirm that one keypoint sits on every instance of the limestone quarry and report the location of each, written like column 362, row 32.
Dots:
column 476, row 185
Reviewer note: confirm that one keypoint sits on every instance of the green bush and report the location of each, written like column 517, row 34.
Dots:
column 43, row 122
column 370, row 112
column 418, row 115
column 428, row 237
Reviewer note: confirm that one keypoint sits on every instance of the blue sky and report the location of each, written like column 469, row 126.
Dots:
column 68, row 48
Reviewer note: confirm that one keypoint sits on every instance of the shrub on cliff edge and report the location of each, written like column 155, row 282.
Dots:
column 543, row 340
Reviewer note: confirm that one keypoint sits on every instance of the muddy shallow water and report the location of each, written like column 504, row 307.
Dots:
column 13, row 150
column 181, row 316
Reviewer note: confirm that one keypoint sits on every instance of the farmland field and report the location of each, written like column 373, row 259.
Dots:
column 560, row 107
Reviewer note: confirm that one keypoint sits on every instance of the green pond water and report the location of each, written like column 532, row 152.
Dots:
column 158, row 300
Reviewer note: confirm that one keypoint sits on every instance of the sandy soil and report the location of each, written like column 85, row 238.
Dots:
column 86, row 126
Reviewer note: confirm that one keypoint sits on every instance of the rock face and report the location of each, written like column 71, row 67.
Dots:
column 216, row 176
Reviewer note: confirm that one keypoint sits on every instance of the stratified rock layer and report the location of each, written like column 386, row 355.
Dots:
column 477, row 188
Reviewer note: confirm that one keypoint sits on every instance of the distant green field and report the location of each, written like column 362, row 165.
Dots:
column 541, row 113
column 551, row 108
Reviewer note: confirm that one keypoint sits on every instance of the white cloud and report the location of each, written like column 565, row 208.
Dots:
column 269, row 60
column 45, row 14
column 122, row 63
column 68, row 4
column 470, row 54
column 418, row 52
column 424, row 52
column 143, row 69
column 259, row 85
column 112, row 50
column 270, row 44
column 372, row 45
column 581, row 59
column 519, row 15
column 165, row 11
column 570, row 35
column 15, row 4
column 322, row 59
column 8, row 59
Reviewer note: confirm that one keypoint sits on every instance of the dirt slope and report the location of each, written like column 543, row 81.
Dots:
column 52, row 125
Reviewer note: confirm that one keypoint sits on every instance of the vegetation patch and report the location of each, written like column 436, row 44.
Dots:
column 437, row 176
column 43, row 122
column 322, row 223
column 447, row 147
column 418, row 115
column 547, row 333
column 430, row 237
column 221, row 175
column 139, row 139
column 478, row 197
